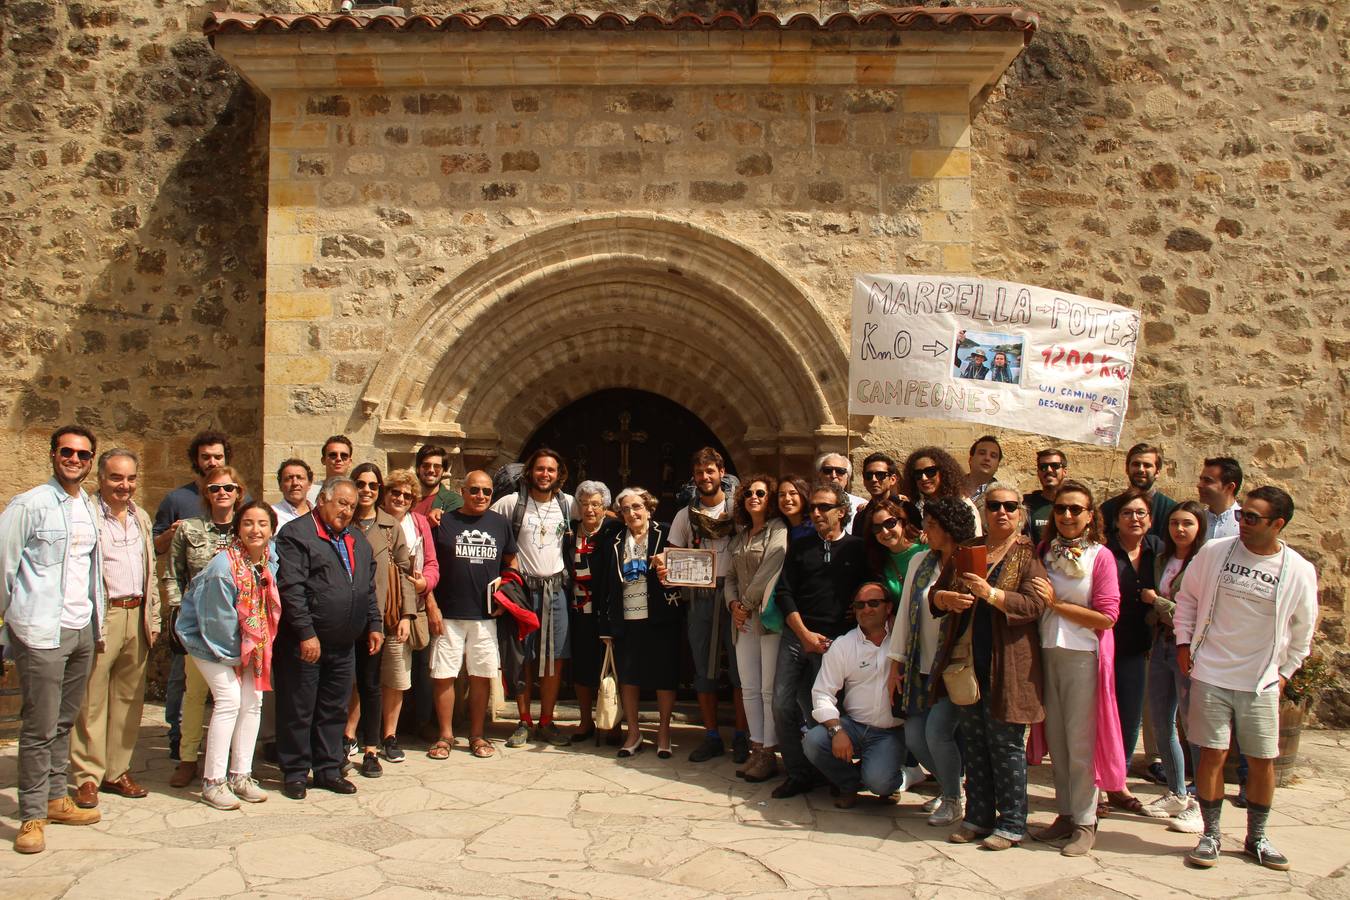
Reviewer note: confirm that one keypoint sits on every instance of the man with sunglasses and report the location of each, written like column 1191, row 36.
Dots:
column 1244, row 622
column 1052, row 467
column 835, row 468
column 337, row 463
column 1143, row 463
column 862, row 747
column 880, row 475
column 438, row 498
column 821, row 573
column 52, row 603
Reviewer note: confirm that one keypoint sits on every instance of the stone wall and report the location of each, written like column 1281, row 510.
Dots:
column 1188, row 163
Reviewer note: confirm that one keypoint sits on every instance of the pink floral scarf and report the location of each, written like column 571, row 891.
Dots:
column 259, row 607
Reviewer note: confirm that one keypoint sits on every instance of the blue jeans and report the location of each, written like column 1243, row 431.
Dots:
column 797, row 671
column 1168, row 691
column 173, row 695
column 881, row 752
column 930, row 734
column 1130, row 670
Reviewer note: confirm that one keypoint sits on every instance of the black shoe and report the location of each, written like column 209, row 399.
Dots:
column 370, row 766
column 1264, row 852
column 349, row 746
column 791, row 788
column 295, row 790
column 740, row 748
column 392, row 751
column 615, row 737
column 173, row 749
column 337, row 785
column 712, row 746
column 630, row 752
column 269, row 751
column 580, row 737
column 1155, row 774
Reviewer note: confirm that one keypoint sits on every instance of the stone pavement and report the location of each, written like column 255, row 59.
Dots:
column 548, row 822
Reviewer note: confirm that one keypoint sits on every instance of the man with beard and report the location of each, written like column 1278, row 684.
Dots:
column 541, row 518
column 1143, row 462
column 326, row 578
column 1218, row 485
column 836, row 469
column 1001, row 371
column 707, row 524
column 438, row 498
column 1052, row 467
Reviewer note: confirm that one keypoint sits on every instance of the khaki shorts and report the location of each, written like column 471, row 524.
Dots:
column 396, row 666
column 1216, row 711
column 474, row 639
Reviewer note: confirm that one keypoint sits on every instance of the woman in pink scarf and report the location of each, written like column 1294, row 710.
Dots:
column 1082, row 728
column 227, row 623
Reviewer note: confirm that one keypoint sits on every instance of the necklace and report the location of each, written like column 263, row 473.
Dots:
column 541, row 541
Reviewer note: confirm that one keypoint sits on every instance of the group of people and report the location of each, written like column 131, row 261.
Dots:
column 943, row 625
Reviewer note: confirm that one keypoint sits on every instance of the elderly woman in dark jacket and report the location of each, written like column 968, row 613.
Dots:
column 1002, row 612
column 641, row 615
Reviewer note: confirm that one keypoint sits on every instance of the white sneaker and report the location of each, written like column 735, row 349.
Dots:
column 948, row 811
column 1189, row 820
column 932, row 805
column 914, row 775
column 218, row 794
column 246, row 789
column 1166, row 806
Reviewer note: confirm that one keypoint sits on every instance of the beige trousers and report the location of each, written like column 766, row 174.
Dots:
column 194, row 713
column 110, row 722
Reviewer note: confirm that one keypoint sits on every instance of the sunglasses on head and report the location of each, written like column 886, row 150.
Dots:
column 477, row 491
column 876, row 475
column 870, row 604
column 1049, row 467
column 399, row 495
column 757, row 492
column 885, row 524
column 927, row 472
column 1069, row 509
column 824, row 507
column 225, row 488
column 337, row 454
column 833, row 470
column 1009, row 506
column 81, row 455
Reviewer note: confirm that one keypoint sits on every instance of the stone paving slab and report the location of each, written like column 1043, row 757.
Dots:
column 575, row 822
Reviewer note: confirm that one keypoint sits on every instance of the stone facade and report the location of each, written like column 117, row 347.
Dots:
column 1188, row 165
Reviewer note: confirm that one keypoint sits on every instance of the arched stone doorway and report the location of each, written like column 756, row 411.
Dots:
column 632, row 302
column 626, row 437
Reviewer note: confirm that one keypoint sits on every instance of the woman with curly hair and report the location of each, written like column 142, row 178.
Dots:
column 757, row 552
column 930, row 473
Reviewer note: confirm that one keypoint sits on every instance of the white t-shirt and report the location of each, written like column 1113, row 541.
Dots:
column 682, row 535
column 1241, row 635
column 1057, row 631
column 539, row 543
column 855, row 505
column 414, row 540
column 1169, row 585
column 78, row 607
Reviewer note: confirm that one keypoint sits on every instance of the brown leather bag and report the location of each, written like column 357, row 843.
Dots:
column 419, row 632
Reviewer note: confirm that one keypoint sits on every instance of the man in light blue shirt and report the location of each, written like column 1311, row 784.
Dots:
column 51, row 603
column 1218, row 486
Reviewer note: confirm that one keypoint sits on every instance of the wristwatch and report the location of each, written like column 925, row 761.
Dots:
column 832, row 730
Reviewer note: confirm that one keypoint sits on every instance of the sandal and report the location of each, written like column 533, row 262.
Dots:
column 480, row 748
column 1130, row 804
column 439, row 750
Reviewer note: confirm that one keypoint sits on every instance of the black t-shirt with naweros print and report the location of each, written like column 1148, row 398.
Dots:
column 469, row 550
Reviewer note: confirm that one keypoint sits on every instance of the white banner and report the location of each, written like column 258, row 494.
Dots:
column 1006, row 354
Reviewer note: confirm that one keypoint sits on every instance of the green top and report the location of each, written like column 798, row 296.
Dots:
column 897, row 564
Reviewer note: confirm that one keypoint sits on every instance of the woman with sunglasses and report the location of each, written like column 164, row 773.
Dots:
column 793, row 495
column 930, row 473
column 1004, row 610
column 396, row 657
column 757, row 552
column 228, row 621
column 931, row 720
column 1135, row 549
column 642, row 617
column 1168, row 688
column 195, row 542
column 1082, row 730
column 891, row 541
column 397, row 601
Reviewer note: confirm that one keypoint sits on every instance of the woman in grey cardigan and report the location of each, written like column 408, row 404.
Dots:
column 757, row 552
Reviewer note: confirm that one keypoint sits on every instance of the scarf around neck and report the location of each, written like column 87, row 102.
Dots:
column 1066, row 556
column 259, row 608
column 914, row 686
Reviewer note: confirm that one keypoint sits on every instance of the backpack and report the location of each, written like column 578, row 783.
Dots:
column 688, row 491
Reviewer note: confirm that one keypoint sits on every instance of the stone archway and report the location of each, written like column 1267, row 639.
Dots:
column 610, row 302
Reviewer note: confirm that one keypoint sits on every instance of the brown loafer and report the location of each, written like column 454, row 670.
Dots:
column 86, row 796
column 183, row 774
column 123, row 787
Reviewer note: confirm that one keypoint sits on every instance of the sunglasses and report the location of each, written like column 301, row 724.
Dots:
column 1251, row 518
column 757, row 492
column 479, row 491
column 824, row 507
column 81, row 455
column 885, row 525
column 876, row 475
column 337, row 454
column 1049, row 467
column 369, row 485
column 400, row 495
column 219, row 488
column 869, row 604
column 1069, row 509
column 833, row 470
column 927, row 472
column 1008, row 506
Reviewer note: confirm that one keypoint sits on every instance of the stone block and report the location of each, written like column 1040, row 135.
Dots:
column 452, row 136
column 956, row 258
column 455, row 163
column 939, row 164
column 283, row 305
column 716, row 191
column 292, row 193
column 306, row 370
column 520, row 161
column 290, row 249
column 934, row 99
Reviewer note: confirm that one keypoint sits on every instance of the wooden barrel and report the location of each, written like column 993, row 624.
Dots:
column 10, row 702
column 1291, row 728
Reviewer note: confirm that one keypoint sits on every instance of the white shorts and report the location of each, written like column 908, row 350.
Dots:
column 474, row 638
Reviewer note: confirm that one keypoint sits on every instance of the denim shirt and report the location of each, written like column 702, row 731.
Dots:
column 34, row 543
column 208, row 621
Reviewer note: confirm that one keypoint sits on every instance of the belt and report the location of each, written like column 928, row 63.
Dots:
column 126, row 602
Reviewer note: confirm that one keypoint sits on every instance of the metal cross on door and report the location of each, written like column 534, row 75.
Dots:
column 625, row 438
